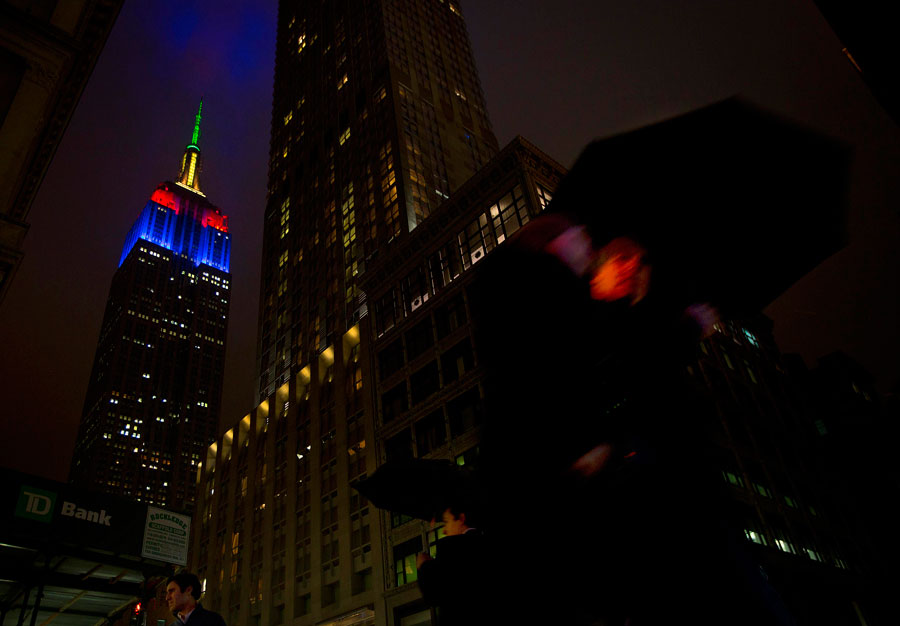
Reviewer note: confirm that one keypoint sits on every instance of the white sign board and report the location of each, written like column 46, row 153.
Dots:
column 166, row 536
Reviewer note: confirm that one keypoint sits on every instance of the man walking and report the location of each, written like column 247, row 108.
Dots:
column 454, row 582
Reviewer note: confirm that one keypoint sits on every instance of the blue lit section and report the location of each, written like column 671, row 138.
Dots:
column 182, row 234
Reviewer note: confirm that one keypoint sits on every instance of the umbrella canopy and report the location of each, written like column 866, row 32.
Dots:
column 733, row 203
column 420, row 488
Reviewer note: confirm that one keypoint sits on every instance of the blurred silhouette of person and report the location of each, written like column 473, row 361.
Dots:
column 591, row 429
column 453, row 582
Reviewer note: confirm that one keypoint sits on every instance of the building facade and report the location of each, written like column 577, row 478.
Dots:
column 276, row 513
column 152, row 405
column 47, row 53
column 378, row 115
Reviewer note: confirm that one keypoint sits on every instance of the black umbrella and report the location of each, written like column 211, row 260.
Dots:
column 420, row 488
column 733, row 203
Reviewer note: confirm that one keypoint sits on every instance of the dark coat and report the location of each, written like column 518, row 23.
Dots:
column 200, row 617
column 454, row 581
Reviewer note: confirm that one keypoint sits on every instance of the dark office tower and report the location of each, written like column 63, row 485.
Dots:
column 378, row 116
column 152, row 404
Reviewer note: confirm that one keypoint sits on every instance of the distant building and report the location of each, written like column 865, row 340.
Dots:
column 153, row 399
column 47, row 53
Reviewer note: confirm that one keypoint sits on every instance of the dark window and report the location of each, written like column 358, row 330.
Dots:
column 457, row 361
column 332, row 593
column 361, row 581
column 424, row 382
column 450, row 316
column 398, row 519
column 394, row 402
column 390, row 359
column 385, row 313
column 444, row 265
column 12, row 69
column 464, row 412
column 468, row 458
column 415, row 290
column 419, row 339
column 399, row 446
column 431, row 432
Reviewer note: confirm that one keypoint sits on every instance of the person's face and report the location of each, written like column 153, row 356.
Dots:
column 177, row 599
column 620, row 277
column 454, row 525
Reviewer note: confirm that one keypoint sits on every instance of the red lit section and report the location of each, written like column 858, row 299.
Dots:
column 215, row 219
column 167, row 198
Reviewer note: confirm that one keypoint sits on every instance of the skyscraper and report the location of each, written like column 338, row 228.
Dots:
column 378, row 115
column 152, row 404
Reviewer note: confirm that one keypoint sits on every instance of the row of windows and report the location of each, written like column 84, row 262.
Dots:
column 491, row 227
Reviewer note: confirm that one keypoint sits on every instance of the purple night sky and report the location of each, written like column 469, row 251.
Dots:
column 558, row 73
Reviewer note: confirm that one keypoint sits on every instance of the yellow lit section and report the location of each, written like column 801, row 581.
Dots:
column 303, row 378
column 281, row 399
column 211, row 457
column 351, row 340
column 244, row 431
column 262, row 417
column 192, row 170
column 227, row 441
column 326, row 360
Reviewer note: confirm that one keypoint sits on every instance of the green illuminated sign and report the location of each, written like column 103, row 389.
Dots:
column 36, row 504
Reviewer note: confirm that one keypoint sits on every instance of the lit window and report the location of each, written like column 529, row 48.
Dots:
column 785, row 546
column 755, row 536
column 751, row 338
column 732, row 478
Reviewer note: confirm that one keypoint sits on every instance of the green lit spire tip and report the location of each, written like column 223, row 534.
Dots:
column 195, row 138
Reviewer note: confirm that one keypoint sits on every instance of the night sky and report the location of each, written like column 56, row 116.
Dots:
column 559, row 73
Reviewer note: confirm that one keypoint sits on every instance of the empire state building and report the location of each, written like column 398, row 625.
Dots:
column 152, row 404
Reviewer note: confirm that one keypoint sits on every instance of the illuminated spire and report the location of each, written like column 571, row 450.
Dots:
column 190, row 162
column 195, row 138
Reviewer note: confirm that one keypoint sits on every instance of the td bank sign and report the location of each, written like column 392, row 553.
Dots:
column 39, row 504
